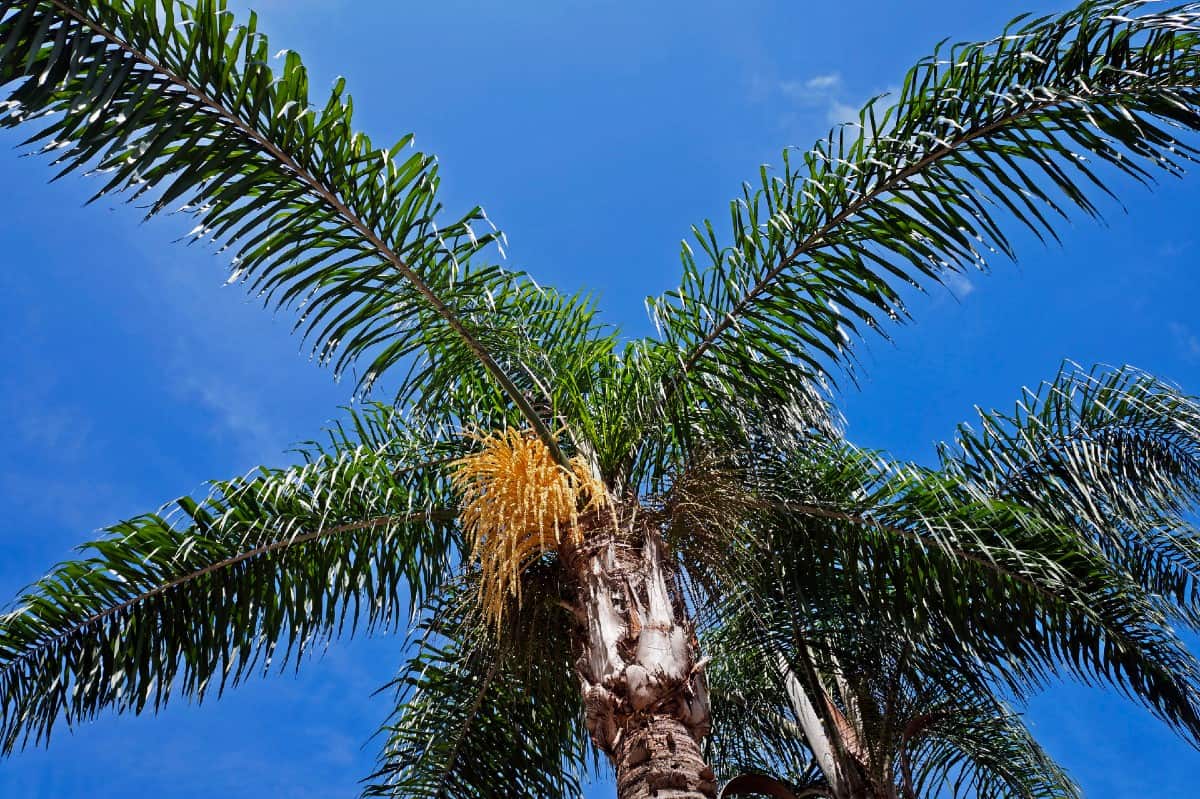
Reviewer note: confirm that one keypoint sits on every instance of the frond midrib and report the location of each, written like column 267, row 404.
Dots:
column 817, row 238
column 866, row 520
column 362, row 228
column 241, row 557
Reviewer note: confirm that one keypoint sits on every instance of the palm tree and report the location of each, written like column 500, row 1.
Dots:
column 565, row 510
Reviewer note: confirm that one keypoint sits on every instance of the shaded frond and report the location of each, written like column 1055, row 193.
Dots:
column 993, row 579
column 480, row 715
column 754, row 730
column 886, row 708
column 1017, row 589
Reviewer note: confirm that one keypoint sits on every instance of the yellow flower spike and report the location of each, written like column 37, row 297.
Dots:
column 518, row 503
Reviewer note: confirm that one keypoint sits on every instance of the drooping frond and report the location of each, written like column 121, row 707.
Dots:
column 518, row 503
column 994, row 579
column 922, row 719
column 1113, row 453
column 818, row 685
column 205, row 595
column 177, row 105
column 754, row 730
column 1010, row 585
column 1021, row 129
column 481, row 715
column 977, row 751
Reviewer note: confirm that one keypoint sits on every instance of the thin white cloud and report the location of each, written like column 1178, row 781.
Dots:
column 237, row 415
column 814, row 91
column 824, row 82
column 43, row 419
column 825, row 91
column 794, row 89
column 1187, row 343
column 71, row 502
column 1173, row 249
column 959, row 285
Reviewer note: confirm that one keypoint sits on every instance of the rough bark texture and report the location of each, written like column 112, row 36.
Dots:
column 657, row 756
column 643, row 686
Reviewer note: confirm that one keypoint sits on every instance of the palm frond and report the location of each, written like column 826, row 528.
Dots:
column 992, row 578
column 1020, row 129
column 1019, row 590
column 1113, row 453
column 203, row 596
column 981, row 751
column 482, row 715
column 555, row 350
column 176, row 104
column 784, row 405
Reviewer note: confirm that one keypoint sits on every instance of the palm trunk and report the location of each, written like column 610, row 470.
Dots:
column 644, row 692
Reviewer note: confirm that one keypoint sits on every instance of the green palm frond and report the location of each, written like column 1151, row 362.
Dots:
column 906, row 711
column 554, row 348
column 614, row 397
column 1023, row 128
column 176, row 105
column 482, row 715
column 1114, row 453
column 1015, row 588
column 993, row 578
column 712, row 418
column 979, row 751
column 216, row 590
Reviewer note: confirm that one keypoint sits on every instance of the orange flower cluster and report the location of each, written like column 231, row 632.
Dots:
column 518, row 503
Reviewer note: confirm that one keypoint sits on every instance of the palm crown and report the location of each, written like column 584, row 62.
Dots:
column 593, row 534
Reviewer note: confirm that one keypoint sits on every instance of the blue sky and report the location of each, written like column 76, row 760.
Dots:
column 594, row 133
